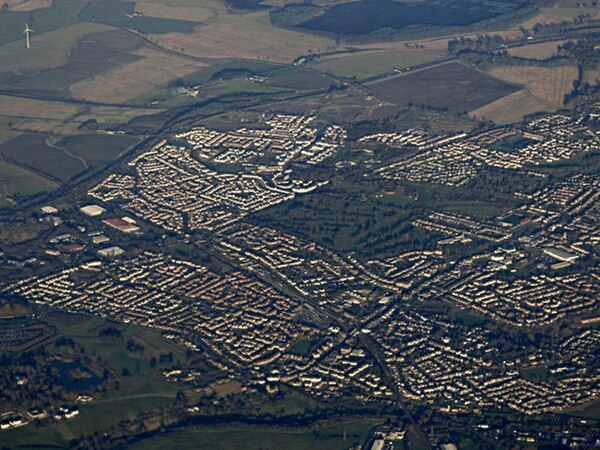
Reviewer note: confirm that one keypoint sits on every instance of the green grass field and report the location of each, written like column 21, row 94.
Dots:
column 538, row 373
column 450, row 86
column 331, row 438
column 114, row 353
column 291, row 404
column 17, row 181
column 62, row 13
column 31, row 150
column 115, row 12
column 97, row 149
column 239, row 86
column 592, row 411
column 93, row 417
column 48, row 50
column 299, row 78
column 303, row 347
column 364, row 66
column 145, row 390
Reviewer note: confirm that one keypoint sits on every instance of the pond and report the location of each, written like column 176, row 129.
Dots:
column 75, row 376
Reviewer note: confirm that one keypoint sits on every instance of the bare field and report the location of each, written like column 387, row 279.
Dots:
column 47, row 50
column 135, row 79
column 542, row 50
column 193, row 13
column 26, row 5
column 247, row 36
column 547, row 83
column 26, row 107
column 511, row 108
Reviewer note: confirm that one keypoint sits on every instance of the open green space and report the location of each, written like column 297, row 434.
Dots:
column 344, row 219
column 435, row 121
column 291, row 404
column 466, row 318
column 300, row 78
column 144, row 389
column 119, row 13
column 31, row 151
column 47, row 50
column 364, row 66
column 368, row 16
column 536, row 373
column 92, row 418
column 591, row 411
column 376, row 219
column 97, row 149
column 330, row 438
column 452, row 87
column 15, row 181
column 62, row 13
column 303, row 347
column 239, row 86
column 113, row 351
column 95, row 53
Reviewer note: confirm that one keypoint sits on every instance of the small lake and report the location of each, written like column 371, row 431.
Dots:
column 75, row 376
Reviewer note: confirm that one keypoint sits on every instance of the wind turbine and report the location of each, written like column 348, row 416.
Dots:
column 26, row 33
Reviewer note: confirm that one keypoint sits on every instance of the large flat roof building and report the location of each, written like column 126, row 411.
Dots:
column 92, row 210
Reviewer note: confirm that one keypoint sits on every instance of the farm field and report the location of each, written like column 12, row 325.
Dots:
column 591, row 411
column 120, row 13
column 26, row 5
column 246, row 36
column 550, row 84
column 32, row 151
column 542, row 50
column 557, row 15
column 367, row 65
column 238, row 86
column 47, row 50
column 298, row 78
column 511, row 108
column 452, row 86
column 97, row 149
column 27, row 107
column 330, row 438
column 15, row 181
column 124, row 83
column 114, row 114
column 435, row 121
column 367, row 16
column 93, row 54
column 62, row 13
column 169, row 11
